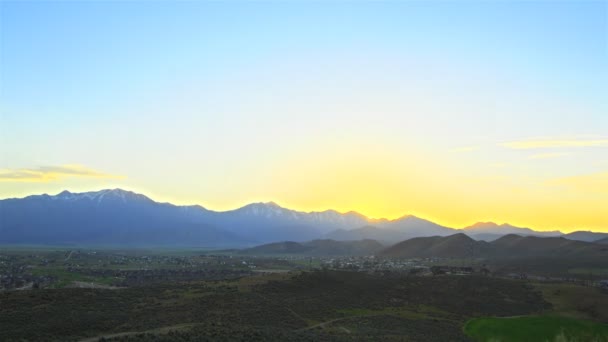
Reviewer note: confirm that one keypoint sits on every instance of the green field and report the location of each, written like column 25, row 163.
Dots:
column 535, row 328
column 575, row 301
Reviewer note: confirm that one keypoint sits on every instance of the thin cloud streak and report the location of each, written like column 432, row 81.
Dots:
column 52, row 173
column 555, row 143
column 548, row 155
column 466, row 149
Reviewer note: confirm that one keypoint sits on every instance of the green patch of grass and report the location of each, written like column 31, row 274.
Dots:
column 575, row 301
column 535, row 328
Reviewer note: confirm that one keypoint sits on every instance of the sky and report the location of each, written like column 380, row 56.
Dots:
column 455, row 111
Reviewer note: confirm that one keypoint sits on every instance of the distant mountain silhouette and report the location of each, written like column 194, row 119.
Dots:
column 603, row 241
column 119, row 217
column 107, row 217
column 266, row 222
column 387, row 231
column 490, row 231
column 110, row 217
column 586, row 236
column 412, row 226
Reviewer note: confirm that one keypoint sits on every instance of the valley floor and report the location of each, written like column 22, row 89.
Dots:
column 59, row 295
column 300, row 306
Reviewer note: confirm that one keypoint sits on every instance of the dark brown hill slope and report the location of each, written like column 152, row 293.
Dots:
column 318, row 248
column 515, row 245
column 453, row 246
column 462, row 246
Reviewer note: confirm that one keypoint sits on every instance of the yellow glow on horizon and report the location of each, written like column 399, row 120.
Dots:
column 382, row 182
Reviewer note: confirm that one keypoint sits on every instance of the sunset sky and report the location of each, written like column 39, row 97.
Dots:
column 455, row 111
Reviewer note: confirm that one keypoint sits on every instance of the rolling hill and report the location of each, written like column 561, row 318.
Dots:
column 386, row 231
column 603, row 241
column 520, row 246
column 586, row 236
column 462, row 246
column 454, row 246
column 323, row 247
column 490, row 231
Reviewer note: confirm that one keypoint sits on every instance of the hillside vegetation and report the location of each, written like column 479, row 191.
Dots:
column 508, row 246
column 323, row 305
column 325, row 247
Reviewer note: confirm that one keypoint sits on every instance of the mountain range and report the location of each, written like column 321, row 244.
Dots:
column 489, row 231
column 120, row 217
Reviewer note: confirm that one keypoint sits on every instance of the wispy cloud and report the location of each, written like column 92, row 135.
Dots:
column 52, row 173
column 466, row 149
column 595, row 182
column 548, row 155
column 555, row 143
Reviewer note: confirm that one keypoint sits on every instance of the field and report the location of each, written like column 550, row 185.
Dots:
column 140, row 295
column 576, row 313
column 535, row 328
column 320, row 305
column 574, row 301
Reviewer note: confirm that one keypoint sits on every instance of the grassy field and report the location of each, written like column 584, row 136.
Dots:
column 535, row 328
column 575, row 301
column 576, row 313
column 304, row 306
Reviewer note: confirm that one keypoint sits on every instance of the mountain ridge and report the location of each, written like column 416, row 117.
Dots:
column 490, row 231
column 118, row 216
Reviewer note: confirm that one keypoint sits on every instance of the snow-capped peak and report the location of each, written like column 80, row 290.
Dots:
column 99, row 196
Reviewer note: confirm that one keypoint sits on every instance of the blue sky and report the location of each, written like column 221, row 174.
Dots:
column 222, row 103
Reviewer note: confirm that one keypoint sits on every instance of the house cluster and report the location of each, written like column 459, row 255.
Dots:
column 23, row 281
column 366, row 264
column 138, row 277
column 411, row 266
column 459, row 270
column 15, row 275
